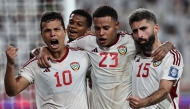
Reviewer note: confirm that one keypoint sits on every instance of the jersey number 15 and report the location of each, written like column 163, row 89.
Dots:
column 145, row 70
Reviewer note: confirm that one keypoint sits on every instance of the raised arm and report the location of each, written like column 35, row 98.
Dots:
column 13, row 85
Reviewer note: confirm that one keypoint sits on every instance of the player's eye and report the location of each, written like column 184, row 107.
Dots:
column 71, row 22
column 106, row 27
column 135, row 30
column 96, row 28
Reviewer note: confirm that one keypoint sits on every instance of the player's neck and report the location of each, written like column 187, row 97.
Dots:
column 156, row 44
column 61, row 53
column 114, row 41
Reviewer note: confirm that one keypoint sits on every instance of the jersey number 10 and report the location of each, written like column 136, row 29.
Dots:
column 66, row 81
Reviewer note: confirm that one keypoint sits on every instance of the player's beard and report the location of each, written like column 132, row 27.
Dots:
column 146, row 47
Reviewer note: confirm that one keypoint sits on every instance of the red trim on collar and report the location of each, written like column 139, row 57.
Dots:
column 147, row 55
column 115, row 41
column 66, row 53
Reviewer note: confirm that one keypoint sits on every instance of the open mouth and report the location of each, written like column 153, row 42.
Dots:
column 102, row 40
column 54, row 43
column 71, row 32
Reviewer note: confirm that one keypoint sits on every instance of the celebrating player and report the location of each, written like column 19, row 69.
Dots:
column 79, row 24
column 155, row 84
column 111, row 54
column 63, row 84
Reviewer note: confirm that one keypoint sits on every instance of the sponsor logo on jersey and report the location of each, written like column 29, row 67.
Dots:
column 173, row 72
column 156, row 63
column 138, row 60
column 46, row 70
column 75, row 66
column 122, row 50
column 95, row 50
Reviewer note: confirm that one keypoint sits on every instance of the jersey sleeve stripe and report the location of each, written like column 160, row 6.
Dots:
column 176, row 56
column 29, row 61
column 173, row 93
column 85, row 36
column 179, row 60
column 123, row 33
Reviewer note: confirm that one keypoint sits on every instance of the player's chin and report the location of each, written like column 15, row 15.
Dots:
column 54, row 48
column 103, row 43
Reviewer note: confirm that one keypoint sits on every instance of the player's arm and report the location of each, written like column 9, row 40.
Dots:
column 171, row 73
column 79, row 42
column 34, row 52
column 45, row 55
column 161, row 52
column 13, row 85
column 156, row 97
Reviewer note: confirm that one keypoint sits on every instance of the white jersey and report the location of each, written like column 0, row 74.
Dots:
column 146, row 76
column 111, row 70
column 63, row 85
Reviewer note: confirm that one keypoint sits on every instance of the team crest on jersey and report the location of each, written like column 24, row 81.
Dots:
column 122, row 50
column 75, row 66
column 156, row 63
column 173, row 72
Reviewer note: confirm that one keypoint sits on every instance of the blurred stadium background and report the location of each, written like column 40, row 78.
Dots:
column 19, row 26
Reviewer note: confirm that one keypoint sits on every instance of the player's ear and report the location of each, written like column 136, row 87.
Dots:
column 156, row 28
column 117, row 25
column 88, row 29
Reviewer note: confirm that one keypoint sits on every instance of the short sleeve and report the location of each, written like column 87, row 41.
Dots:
column 173, row 67
column 79, row 43
column 28, row 72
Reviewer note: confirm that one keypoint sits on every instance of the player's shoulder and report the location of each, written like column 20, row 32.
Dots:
column 124, row 34
column 78, row 54
column 31, row 61
column 175, row 56
column 77, row 51
column 174, row 53
column 91, row 35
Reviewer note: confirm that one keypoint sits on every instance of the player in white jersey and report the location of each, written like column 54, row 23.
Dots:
column 155, row 84
column 63, row 85
column 111, row 54
column 111, row 79
column 79, row 24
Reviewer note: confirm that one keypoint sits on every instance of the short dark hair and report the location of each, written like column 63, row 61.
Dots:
column 141, row 14
column 51, row 16
column 104, row 11
column 84, row 14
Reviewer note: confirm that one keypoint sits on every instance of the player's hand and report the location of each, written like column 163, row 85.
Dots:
column 161, row 52
column 44, row 57
column 11, row 53
column 135, row 102
column 34, row 52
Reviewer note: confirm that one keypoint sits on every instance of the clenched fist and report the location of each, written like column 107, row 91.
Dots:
column 11, row 53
